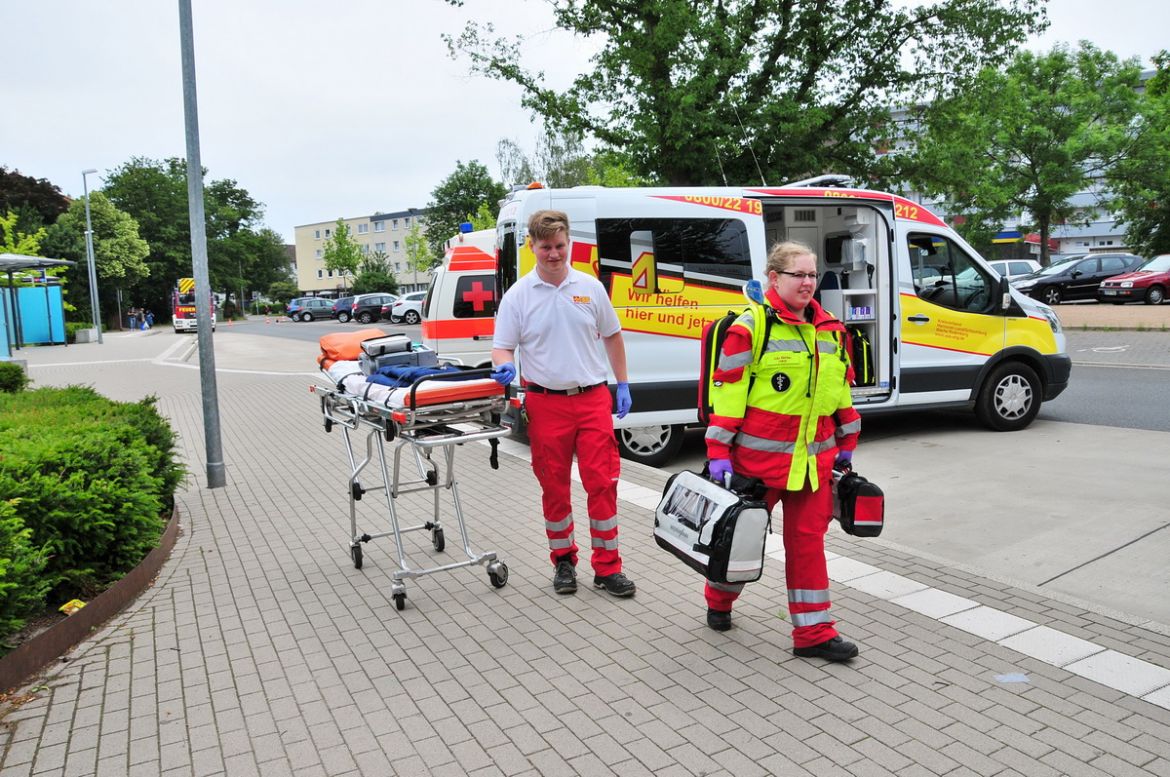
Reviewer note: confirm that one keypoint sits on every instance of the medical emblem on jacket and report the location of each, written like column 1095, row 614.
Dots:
column 781, row 382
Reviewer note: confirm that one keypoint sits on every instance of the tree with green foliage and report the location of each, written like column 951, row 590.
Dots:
column 456, row 199
column 15, row 241
column 238, row 247
column 745, row 91
column 342, row 254
column 1142, row 180
column 375, row 274
column 119, row 253
column 420, row 255
column 1027, row 138
column 560, row 160
column 36, row 201
column 282, row 291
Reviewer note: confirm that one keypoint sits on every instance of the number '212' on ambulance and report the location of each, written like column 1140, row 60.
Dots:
column 933, row 325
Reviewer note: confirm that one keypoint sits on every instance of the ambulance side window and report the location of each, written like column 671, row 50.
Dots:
column 688, row 246
column 475, row 296
column 944, row 274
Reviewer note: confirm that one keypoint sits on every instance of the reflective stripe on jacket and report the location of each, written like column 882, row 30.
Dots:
column 798, row 413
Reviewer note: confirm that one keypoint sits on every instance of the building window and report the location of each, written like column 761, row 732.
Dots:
column 380, row 247
column 366, row 249
column 318, row 253
column 330, row 273
column 320, row 273
column 363, row 229
column 380, row 226
column 398, row 267
column 395, row 224
column 395, row 245
column 327, row 233
column 406, row 223
column 317, row 234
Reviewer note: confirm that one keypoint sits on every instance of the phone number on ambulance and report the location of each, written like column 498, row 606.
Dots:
column 729, row 203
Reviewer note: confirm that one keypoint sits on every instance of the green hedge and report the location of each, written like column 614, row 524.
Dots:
column 12, row 377
column 88, row 482
column 73, row 327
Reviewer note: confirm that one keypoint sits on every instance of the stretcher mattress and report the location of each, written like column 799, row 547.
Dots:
column 348, row 377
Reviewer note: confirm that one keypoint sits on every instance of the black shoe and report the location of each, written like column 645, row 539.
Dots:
column 835, row 649
column 565, row 578
column 720, row 621
column 617, row 584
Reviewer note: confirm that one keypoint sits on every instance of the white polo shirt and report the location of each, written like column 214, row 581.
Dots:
column 557, row 330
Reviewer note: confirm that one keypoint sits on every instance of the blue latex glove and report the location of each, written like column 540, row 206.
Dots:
column 623, row 399
column 504, row 373
column 844, row 461
column 720, row 470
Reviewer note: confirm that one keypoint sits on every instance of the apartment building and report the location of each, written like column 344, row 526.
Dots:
column 385, row 232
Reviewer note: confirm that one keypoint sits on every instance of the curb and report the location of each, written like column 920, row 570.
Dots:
column 52, row 643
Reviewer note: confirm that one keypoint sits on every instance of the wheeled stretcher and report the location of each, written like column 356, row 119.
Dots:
column 433, row 413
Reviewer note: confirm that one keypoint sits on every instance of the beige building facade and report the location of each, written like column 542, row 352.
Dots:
column 385, row 232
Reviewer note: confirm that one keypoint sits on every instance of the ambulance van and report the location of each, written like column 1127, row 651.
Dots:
column 933, row 325
column 460, row 307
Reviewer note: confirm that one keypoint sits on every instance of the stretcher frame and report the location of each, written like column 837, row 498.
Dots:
column 422, row 428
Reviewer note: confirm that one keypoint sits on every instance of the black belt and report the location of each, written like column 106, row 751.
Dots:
column 536, row 388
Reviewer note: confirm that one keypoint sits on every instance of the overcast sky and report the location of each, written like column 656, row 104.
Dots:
column 318, row 109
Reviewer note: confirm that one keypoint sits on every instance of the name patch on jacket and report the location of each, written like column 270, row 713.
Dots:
column 582, row 300
column 781, row 382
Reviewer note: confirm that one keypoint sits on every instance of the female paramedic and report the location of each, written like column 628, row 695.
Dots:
column 783, row 413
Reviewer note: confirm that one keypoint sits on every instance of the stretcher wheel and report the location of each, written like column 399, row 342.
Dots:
column 499, row 575
column 400, row 601
column 356, row 491
column 437, row 539
column 356, row 552
column 328, row 425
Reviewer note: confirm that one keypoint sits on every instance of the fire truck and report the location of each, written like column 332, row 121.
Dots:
column 183, row 307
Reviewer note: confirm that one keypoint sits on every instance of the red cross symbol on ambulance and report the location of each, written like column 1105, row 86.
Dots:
column 477, row 296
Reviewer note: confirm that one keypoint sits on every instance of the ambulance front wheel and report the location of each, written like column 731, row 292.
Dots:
column 650, row 445
column 1010, row 398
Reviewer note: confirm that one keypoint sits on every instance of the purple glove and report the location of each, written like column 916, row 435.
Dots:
column 844, row 461
column 623, row 399
column 720, row 470
column 504, row 373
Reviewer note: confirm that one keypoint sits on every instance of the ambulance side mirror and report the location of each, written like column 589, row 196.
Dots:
column 1005, row 294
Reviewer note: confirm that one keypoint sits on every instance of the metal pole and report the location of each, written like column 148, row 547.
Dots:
column 216, row 477
column 93, row 297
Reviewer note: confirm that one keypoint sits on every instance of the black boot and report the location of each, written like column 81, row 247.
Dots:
column 835, row 649
column 718, row 620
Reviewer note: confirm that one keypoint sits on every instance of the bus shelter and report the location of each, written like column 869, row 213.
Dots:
column 30, row 315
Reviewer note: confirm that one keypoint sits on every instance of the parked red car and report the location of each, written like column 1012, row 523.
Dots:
column 1147, row 284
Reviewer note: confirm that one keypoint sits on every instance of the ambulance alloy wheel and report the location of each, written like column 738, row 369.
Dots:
column 650, row 445
column 1010, row 397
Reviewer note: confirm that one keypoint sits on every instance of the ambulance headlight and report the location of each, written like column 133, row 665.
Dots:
column 1053, row 320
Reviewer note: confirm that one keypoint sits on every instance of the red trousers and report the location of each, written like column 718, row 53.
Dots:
column 806, row 520
column 559, row 426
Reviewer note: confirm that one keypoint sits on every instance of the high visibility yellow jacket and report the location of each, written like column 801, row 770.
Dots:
column 784, row 416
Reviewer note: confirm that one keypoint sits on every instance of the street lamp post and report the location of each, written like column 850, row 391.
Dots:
column 93, row 297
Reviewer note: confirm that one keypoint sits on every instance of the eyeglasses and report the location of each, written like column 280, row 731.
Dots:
column 812, row 276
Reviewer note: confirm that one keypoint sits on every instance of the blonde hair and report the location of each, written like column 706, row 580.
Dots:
column 782, row 255
column 544, row 224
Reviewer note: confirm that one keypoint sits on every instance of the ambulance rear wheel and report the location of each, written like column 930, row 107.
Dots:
column 650, row 445
column 1010, row 398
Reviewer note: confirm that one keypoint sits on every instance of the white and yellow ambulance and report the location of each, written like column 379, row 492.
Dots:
column 933, row 325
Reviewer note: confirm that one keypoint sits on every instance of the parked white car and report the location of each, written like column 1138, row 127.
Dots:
column 1014, row 268
column 406, row 308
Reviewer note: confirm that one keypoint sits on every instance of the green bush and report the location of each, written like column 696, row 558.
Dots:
column 12, row 377
column 22, row 586
column 72, row 328
column 90, row 478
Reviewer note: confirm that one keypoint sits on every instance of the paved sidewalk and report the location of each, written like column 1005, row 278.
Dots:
column 260, row 650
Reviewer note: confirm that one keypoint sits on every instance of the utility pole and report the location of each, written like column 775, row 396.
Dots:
column 215, row 467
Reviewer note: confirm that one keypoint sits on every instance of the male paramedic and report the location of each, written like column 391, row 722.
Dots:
column 563, row 325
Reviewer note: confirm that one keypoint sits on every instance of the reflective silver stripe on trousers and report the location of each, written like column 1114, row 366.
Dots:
column 853, row 427
column 719, row 435
column 808, row 595
column 606, row 525
column 811, row 618
column 607, row 544
column 560, row 544
column 735, row 360
column 760, row 444
column 732, row 587
column 560, row 525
